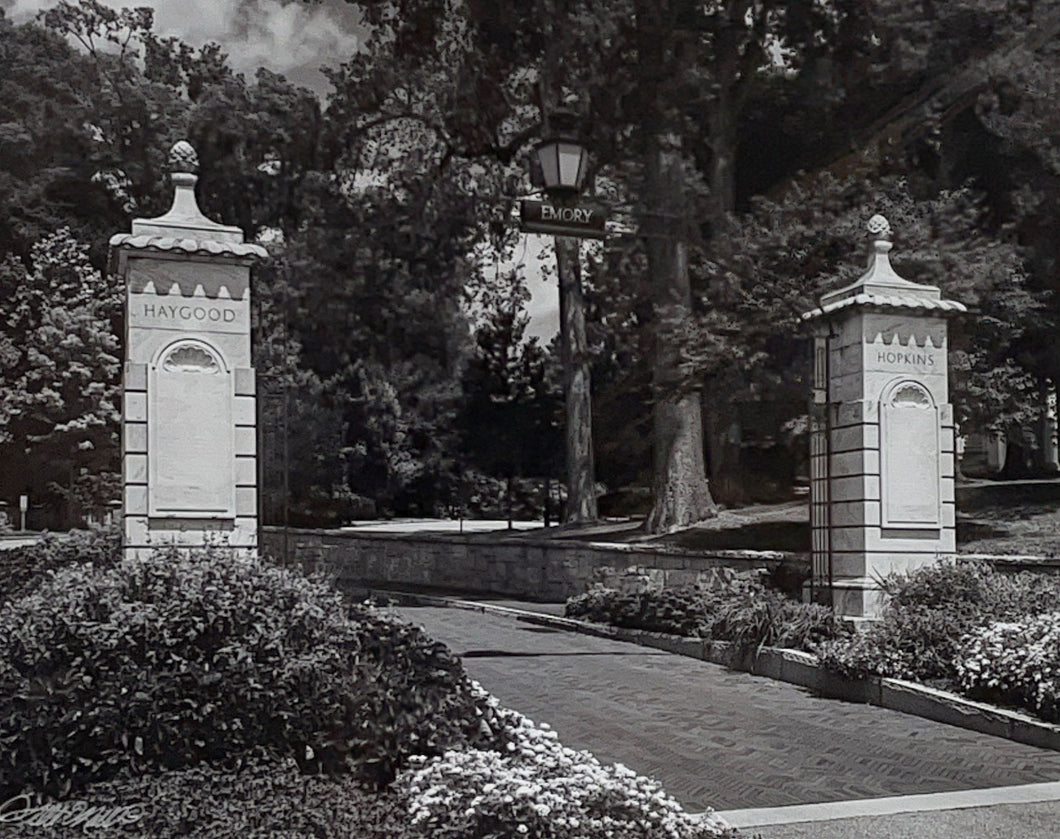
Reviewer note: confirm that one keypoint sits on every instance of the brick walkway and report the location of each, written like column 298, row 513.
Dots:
column 715, row 737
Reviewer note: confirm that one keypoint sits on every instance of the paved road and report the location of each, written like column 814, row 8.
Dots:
column 718, row 738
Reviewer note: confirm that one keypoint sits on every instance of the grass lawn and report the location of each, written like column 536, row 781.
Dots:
column 993, row 517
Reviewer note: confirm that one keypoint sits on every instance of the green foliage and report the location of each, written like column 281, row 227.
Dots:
column 915, row 643
column 372, row 300
column 918, row 636
column 511, row 404
column 47, row 141
column 778, row 258
column 375, row 247
column 597, row 605
column 741, row 611
column 1015, row 663
column 412, row 697
column 679, row 611
column 964, row 586
column 60, row 367
column 766, row 618
column 259, row 797
column 174, row 660
column 27, row 566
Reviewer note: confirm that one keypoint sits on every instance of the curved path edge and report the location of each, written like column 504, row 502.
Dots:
column 792, row 666
column 891, row 805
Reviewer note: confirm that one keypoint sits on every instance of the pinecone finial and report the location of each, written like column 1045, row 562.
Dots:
column 182, row 158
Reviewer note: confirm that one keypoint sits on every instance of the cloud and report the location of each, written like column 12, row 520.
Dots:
column 286, row 36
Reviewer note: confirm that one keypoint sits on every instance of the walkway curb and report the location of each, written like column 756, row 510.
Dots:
column 794, row 667
column 891, row 805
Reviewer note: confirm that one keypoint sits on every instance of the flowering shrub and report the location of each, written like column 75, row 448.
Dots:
column 929, row 610
column 1016, row 663
column 539, row 789
column 176, row 659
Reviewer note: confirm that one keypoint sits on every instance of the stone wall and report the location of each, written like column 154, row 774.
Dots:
column 528, row 568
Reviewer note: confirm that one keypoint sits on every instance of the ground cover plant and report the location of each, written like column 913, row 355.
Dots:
column 963, row 626
column 741, row 609
column 227, row 696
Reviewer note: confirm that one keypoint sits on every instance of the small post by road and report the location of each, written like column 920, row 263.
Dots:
column 563, row 165
column 577, row 395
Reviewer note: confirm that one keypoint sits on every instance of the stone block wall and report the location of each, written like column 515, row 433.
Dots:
column 520, row 567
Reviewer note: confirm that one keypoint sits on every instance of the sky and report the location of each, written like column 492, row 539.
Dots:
column 286, row 36
column 295, row 39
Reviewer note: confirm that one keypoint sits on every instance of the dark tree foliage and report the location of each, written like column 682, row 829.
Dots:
column 729, row 137
column 359, row 332
column 509, row 417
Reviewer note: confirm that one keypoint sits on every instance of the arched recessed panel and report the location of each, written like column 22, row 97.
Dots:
column 910, row 458
column 191, row 436
column 910, row 395
column 190, row 358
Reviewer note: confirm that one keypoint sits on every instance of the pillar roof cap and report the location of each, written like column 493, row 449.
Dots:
column 185, row 220
column 184, row 230
column 881, row 286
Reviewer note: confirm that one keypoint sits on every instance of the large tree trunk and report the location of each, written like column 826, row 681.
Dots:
column 682, row 494
column 722, row 418
column 723, row 141
column 577, row 391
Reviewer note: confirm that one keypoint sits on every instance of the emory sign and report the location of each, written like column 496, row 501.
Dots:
column 586, row 221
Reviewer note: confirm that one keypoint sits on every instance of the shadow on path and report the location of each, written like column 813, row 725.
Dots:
column 719, row 738
column 525, row 654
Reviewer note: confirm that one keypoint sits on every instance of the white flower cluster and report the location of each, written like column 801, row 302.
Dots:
column 1019, row 660
column 540, row 789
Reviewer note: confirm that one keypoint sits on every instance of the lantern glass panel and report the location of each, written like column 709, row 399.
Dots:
column 570, row 165
column 549, row 158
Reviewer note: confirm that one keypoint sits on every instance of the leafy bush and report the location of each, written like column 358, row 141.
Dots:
column 680, row 611
column 952, row 585
column 262, row 798
column 594, row 605
column 1015, row 663
column 915, row 643
column 767, row 618
column 539, row 788
column 24, row 567
column 919, row 634
column 413, row 697
column 177, row 659
column 742, row 611
column 976, row 589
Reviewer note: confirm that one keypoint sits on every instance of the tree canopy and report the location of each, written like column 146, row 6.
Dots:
column 739, row 145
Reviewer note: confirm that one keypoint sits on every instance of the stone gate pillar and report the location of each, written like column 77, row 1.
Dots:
column 189, row 464
column 882, row 450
